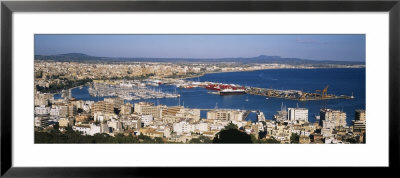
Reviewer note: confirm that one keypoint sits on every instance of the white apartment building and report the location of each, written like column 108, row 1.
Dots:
column 42, row 110
column 229, row 115
column 84, row 129
column 329, row 117
column 126, row 109
column 100, row 117
column 298, row 114
column 201, row 127
column 115, row 125
column 189, row 113
column 146, row 119
column 148, row 109
column 94, row 129
column 116, row 101
column 183, row 127
column 55, row 111
column 90, row 129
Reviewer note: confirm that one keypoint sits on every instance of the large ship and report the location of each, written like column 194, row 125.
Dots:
column 213, row 87
column 230, row 91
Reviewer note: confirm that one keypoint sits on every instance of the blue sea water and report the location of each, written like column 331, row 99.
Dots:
column 343, row 81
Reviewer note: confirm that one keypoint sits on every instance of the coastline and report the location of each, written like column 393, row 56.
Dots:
column 308, row 68
column 203, row 74
column 268, row 106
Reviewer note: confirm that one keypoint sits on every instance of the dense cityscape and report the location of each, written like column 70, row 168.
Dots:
column 121, row 118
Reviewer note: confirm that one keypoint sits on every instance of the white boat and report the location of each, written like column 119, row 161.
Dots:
column 230, row 91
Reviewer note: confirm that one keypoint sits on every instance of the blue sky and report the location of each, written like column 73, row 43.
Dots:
column 316, row 47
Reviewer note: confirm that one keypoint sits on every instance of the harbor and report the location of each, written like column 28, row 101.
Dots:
column 147, row 89
column 235, row 89
column 128, row 90
column 198, row 96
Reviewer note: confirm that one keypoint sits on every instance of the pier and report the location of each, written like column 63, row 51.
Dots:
column 295, row 94
column 216, row 88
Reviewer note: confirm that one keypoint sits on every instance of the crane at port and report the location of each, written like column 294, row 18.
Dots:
column 324, row 91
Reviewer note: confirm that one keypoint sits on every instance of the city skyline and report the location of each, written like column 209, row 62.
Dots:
column 136, row 102
column 313, row 47
column 116, row 95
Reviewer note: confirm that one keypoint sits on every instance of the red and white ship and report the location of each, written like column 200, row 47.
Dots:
column 230, row 91
column 213, row 87
column 223, row 87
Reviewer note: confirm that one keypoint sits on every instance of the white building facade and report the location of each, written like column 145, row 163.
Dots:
column 42, row 110
column 298, row 114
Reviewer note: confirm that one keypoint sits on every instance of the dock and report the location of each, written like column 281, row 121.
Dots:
column 270, row 93
column 295, row 94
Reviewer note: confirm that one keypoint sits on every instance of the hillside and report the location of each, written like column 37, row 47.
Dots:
column 79, row 57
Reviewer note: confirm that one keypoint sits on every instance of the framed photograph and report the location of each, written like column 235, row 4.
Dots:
column 112, row 89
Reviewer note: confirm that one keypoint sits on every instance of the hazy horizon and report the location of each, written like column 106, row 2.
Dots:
column 313, row 47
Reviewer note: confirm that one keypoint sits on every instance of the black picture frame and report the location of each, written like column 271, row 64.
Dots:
column 8, row 7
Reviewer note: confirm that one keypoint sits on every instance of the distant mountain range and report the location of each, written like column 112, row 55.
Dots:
column 79, row 57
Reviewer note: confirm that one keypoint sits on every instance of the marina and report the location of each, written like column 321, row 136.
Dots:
column 128, row 90
column 201, row 97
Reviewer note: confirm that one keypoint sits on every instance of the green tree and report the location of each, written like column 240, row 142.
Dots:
column 230, row 134
column 294, row 138
column 272, row 140
column 364, row 138
column 231, row 126
column 158, row 140
column 201, row 139
column 352, row 140
column 56, row 126
column 254, row 139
